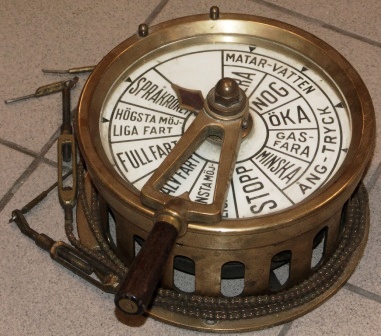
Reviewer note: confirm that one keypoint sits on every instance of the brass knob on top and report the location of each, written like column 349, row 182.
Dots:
column 227, row 100
column 226, row 92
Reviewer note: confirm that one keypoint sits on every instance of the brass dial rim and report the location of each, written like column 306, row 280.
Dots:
column 331, row 197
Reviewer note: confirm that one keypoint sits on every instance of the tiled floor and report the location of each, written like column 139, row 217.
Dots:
column 37, row 296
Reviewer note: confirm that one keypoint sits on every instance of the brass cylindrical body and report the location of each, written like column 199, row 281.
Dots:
column 251, row 247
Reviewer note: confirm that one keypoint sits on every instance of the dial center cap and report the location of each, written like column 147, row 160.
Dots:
column 227, row 100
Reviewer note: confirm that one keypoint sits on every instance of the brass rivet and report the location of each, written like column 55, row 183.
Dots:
column 143, row 30
column 214, row 13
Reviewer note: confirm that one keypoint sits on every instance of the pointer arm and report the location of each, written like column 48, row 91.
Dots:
column 225, row 122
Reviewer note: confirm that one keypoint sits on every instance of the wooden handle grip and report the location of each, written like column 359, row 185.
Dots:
column 135, row 292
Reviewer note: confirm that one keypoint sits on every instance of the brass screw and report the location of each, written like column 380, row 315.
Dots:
column 143, row 30
column 214, row 13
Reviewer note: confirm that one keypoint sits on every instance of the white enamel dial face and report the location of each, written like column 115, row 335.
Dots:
column 301, row 132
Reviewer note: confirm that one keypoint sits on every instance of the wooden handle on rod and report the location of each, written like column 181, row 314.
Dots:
column 135, row 292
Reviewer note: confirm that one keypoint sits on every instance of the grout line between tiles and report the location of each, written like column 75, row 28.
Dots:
column 373, row 179
column 350, row 34
column 320, row 22
column 285, row 329
column 28, row 171
column 156, row 11
column 363, row 292
column 26, row 151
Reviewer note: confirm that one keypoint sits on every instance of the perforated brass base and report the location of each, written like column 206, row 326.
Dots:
column 257, row 311
column 241, row 314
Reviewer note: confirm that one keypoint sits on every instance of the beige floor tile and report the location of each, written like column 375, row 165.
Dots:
column 346, row 314
column 343, row 14
column 13, row 164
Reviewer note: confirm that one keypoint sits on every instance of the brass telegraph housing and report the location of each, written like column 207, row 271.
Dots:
column 203, row 239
